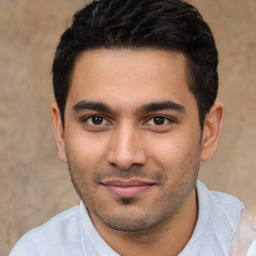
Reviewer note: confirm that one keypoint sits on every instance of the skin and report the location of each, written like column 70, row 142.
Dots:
column 133, row 144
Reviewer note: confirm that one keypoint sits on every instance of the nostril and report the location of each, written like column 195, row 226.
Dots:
column 126, row 163
column 131, row 168
column 125, row 148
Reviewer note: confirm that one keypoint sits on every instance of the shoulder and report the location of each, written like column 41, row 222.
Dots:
column 223, row 210
column 219, row 201
column 244, row 241
column 61, row 227
column 217, row 223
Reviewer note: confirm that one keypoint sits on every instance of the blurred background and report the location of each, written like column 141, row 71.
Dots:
column 34, row 185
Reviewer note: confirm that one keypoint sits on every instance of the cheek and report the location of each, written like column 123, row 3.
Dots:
column 86, row 152
column 175, row 151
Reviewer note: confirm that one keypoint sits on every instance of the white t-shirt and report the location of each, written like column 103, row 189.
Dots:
column 72, row 233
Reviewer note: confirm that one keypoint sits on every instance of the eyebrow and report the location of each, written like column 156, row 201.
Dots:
column 150, row 107
column 92, row 105
column 161, row 105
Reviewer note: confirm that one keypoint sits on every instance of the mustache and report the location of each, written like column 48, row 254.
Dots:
column 133, row 172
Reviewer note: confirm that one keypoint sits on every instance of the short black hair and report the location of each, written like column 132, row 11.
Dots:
column 161, row 24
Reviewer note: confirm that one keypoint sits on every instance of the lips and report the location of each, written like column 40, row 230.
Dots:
column 127, row 189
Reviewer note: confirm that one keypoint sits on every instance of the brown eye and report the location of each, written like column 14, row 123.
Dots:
column 96, row 120
column 159, row 120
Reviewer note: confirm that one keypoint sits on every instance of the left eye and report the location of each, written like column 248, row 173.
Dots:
column 158, row 120
column 96, row 120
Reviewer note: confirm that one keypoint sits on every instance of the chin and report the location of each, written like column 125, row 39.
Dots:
column 130, row 220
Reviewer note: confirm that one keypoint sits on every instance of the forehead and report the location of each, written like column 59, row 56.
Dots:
column 130, row 77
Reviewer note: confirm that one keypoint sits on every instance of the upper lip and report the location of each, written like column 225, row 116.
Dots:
column 127, row 183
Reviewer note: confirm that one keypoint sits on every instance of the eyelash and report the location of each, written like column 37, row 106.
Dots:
column 105, row 120
column 166, row 120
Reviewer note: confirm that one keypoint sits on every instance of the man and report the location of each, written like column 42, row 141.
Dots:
column 135, row 84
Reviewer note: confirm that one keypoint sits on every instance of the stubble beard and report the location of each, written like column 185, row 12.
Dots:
column 128, row 220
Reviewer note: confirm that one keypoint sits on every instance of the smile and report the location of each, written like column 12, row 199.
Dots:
column 127, row 189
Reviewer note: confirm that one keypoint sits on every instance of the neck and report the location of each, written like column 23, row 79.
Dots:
column 167, row 238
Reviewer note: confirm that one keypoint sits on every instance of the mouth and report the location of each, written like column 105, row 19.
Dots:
column 127, row 189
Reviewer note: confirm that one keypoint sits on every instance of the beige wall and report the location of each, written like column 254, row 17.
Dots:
column 34, row 185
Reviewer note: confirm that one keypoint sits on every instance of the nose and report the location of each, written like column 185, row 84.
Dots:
column 126, row 148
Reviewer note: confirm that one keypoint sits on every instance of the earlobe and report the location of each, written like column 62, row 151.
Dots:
column 212, row 130
column 59, row 132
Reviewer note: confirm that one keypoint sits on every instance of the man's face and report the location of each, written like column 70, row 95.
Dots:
column 132, row 136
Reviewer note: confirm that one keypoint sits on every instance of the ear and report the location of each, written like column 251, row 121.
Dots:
column 212, row 130
column 59, row 132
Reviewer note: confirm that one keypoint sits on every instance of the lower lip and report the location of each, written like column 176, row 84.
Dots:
column 127, row 191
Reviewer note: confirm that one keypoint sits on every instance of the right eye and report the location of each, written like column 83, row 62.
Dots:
column 96, row 120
